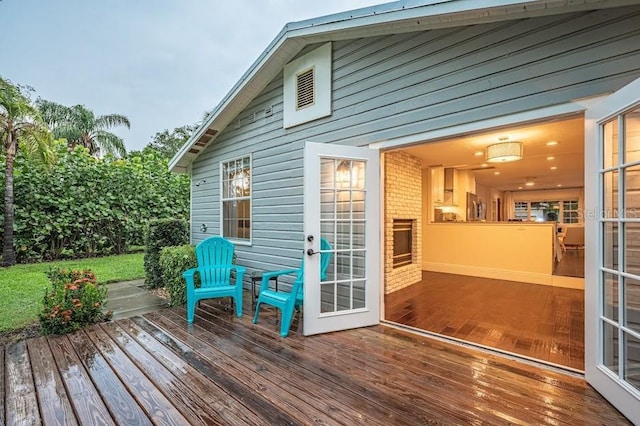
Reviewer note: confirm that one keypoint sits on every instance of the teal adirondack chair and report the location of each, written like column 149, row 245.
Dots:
column 287, row 301
column 215, row 257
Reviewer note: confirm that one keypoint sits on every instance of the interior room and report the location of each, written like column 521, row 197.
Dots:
column 485, row 239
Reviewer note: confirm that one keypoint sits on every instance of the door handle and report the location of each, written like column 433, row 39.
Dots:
column 310, row 252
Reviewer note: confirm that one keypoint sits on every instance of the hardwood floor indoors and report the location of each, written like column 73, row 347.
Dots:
column 537, row 321
column 572, row 264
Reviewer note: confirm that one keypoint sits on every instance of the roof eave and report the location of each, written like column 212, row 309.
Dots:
column 410, row 15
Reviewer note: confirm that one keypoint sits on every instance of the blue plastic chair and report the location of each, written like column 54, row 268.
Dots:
column 215, row 257
column 289, row 301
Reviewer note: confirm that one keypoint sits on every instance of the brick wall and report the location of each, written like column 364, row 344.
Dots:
column 402, row 200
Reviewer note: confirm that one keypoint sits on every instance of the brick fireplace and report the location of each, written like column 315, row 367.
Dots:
column 402, row 220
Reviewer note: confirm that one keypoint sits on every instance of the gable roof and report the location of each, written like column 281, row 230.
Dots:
column 390, row 18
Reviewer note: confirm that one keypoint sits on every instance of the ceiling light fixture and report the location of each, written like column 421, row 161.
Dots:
column 551, row 158
column 553, row 167
column 504, row 152
column 552, row 143
column 478, row 153
column 529, row 181
column 496, row 173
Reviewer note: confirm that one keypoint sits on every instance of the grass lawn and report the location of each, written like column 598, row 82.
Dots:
column 22, row 286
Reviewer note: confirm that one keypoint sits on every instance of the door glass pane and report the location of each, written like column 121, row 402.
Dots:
column 344, row 204
column 610, row 245
column 632, row 192
column 343, row 236
column 358, row 175
column 610, row 195
column 610, row 357
column 632, row 248
column 610, row 139
column 359, row 237
column 358, row 294
column 327, row 231
column 632, row 360
column 632, row 303
column 327, row 204
column 327, row 173
column 358, row 204
column 632, row 136
column 327, row 297
column 344, row 296
column 610, row 296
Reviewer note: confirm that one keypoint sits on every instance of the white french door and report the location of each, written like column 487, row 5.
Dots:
column 612, row 258
column 341, row 206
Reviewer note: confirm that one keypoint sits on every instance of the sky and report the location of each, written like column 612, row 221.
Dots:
column 161, row 63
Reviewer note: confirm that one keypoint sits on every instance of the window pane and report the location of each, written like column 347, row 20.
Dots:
column 610, row 140
column 610, row 195
column 358, row 174
column 632, row 360
column 327, row 173
column 610, row 296
column 521, row 210
column 632, row 136
column 632, row 303
column 632, row 248
column 610, row 245
column 610, row 356
column 631, row 192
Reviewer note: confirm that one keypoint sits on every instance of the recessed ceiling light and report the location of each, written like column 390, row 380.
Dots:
column 496, row 173
column 553, row 167
column 519, row 187
column 559, row 185
column 478, row 153
column 529, row 184
column 484, row 165
column 552, row 143
column 551, row 158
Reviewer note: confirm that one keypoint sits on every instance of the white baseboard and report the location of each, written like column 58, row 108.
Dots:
column 505, row 274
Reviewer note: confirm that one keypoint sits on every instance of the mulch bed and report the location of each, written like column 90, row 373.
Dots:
column 13, row 336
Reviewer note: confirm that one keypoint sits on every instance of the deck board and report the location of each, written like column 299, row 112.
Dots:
column 21, row 402
column 52, row 395
column 224, row 370
column 88, row 405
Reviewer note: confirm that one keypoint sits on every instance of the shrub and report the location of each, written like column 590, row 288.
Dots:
column 161, row 233
column 174, row 261
column 75, row 300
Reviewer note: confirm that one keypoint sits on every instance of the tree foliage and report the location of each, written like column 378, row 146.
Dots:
column 167, row 143
column 20, row 126
column 80, row 127
column 87, row 206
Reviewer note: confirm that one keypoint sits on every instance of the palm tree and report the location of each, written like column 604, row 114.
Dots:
column 20, row 126
column 79, row 126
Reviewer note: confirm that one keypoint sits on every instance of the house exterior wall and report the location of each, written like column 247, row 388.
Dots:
column 402, row 200
column 390, row 86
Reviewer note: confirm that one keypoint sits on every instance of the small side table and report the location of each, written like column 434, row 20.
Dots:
column 256, row 280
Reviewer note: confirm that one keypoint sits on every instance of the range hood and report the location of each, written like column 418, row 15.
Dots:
column 449, row 189
column 444, row 181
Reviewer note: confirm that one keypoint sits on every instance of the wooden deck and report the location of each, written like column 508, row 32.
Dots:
column 155, row 369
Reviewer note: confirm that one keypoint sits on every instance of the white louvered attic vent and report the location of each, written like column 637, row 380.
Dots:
column 305, row 89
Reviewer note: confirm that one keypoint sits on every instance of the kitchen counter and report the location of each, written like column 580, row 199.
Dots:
column 516, row 251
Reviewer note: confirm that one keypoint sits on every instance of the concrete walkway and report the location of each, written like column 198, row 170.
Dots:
column 130, row 298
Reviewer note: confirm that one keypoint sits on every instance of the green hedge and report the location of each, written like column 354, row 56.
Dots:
column 161, row 233
column 174, row 261
column 86, row 206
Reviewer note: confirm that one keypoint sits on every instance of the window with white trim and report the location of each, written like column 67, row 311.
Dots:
column 235, row 201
